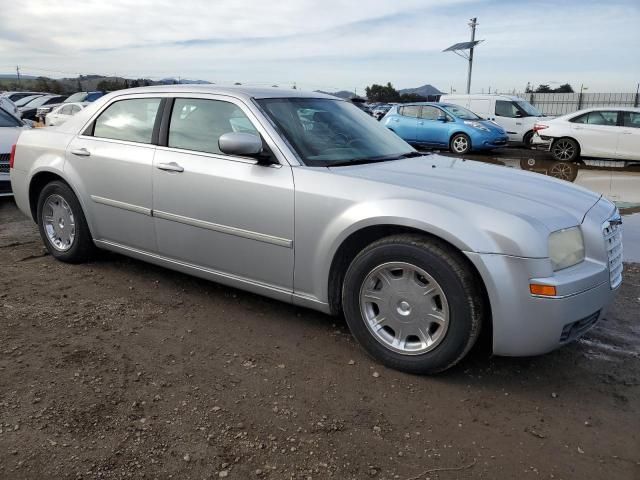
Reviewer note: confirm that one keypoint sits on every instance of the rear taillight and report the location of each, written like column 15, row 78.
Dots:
column 538, row 126
column 12, row 157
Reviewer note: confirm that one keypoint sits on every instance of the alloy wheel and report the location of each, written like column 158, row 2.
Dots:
column 59, row 222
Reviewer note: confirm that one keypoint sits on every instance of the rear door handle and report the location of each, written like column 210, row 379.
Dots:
column 81, row 152
column 170, row 167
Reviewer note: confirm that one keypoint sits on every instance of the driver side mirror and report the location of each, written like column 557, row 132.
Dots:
column 239, row 143
column 442, row 118
column 518, row 114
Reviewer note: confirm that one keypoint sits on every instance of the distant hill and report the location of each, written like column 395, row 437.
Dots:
column 340, row 94
column 13, row 76
column 424, row 90
column 173, row 81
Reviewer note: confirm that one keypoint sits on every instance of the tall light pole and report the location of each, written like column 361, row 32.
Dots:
column 474, row 22
column 460, row 50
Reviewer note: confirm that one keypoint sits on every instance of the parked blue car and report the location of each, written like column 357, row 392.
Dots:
column 444, row 125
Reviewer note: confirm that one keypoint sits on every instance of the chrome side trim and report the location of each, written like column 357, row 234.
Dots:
column 121, row 205
column 238, row 232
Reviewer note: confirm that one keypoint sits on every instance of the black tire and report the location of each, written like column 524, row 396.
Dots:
column 449, row 269
column 82, row 247
column 528, row 137
column 460, row 139
column 565, row 150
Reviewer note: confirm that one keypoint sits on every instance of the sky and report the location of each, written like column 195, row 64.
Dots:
column 329, row 44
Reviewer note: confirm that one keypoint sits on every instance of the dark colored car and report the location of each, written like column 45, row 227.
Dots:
column 30, row 109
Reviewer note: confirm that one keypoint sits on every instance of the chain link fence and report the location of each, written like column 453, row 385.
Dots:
column 561, row 103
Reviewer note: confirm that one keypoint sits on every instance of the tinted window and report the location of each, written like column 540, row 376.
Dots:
column 598, row 118
column 506, row 109
column 410, row 111
column 7, row 120
column 198, row 124
column 631, row 119
column 130, row 120
column 431, row 113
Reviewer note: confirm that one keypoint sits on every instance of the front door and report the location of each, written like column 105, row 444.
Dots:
column 629, row 139
column 433, row 129
column 509, row 117
column 110, row 163
column 227, row 214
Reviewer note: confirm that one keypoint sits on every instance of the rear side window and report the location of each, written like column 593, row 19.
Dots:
column 130, row 120
column 609, row 118
column 410, row 111
column 7, row 120
column 197, row 124
column 506, row 109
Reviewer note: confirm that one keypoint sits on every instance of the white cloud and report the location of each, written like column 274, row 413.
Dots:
column 330, row 43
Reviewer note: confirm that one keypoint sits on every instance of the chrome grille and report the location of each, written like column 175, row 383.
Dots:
column 612, row 233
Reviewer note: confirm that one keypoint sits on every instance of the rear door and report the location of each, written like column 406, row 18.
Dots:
column 110, row 163
column 597, row 132
column 629, row 139
column 405, row 124
column 225, row 213
column 431, row 129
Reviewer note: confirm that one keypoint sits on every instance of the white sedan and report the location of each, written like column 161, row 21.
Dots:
column 62, row 113
column 612, row 132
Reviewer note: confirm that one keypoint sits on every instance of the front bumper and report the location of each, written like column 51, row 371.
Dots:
column 5, row 185
column 524, row 324
column 484, row 142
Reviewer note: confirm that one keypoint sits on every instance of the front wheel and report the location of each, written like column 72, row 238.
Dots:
column 460, row 144
column 62, row 224
column 412, row 303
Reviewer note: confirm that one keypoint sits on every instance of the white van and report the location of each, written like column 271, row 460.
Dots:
column 514, row 114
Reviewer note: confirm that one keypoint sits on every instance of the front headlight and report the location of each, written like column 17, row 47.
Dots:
column 566, row 248
column 477, row 125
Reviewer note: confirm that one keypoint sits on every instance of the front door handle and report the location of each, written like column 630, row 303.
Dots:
column 81, row 152
column 170, row 167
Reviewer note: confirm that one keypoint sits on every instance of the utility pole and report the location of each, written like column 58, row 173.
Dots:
column 18, row 74
column 474, row 22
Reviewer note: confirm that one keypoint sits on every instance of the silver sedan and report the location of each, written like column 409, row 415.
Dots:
column 304, row 198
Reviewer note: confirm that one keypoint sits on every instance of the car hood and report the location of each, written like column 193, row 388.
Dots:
column 536, row 198
column 492, row 126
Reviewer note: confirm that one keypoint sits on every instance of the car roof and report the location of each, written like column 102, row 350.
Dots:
column 242, row 91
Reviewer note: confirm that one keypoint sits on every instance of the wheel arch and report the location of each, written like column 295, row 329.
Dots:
column 568, row 137
column 359, row 239
column 42, row 178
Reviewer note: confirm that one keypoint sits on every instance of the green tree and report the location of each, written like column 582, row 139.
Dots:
column 382, row 93
column 564, row 88
column 543, row 89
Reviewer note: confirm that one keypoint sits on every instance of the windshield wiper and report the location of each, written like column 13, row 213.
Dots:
column 362, row 161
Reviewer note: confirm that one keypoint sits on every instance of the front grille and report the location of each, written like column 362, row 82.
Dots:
column 573, row 330
column 612, row 233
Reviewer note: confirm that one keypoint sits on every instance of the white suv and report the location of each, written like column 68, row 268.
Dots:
column 606, row 132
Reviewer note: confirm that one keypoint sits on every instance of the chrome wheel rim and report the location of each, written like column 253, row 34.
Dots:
column 404, row 308
column 59, row 222
column 561, row 171
column 460, row 144
column 563, row 150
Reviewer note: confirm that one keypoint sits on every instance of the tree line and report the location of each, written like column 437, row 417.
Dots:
column 388, row 94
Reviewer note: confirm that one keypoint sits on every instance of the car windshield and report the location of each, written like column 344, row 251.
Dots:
column 37, row 102
column 461, row 113
column 326, row 132
column 77, row 97
column 529, row 109
column 24, row 100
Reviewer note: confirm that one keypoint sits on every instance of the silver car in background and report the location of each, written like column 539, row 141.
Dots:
column 304, row 198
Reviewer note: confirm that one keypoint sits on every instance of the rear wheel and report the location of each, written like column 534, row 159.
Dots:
column 412, row 303
column 528, row 137
column 565, row 150
column 460, row 143
column 62, row 224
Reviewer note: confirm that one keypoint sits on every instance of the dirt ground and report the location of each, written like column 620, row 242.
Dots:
column 119, row 369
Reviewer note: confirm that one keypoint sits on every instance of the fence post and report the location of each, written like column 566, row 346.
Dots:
column 580, row 100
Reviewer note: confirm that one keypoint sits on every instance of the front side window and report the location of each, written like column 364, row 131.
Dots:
column 412, row 111
column 431, row 113
column 197, row 124
column 325, row 132
column 506, row 109
column 130, row 120
column 631, row 119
